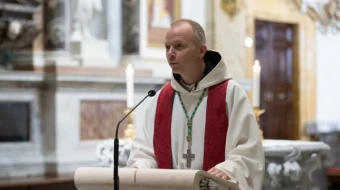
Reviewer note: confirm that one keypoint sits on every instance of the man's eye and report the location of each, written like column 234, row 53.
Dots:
column 179, row 45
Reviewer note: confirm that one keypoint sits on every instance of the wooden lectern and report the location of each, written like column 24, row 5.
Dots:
column 96, row 178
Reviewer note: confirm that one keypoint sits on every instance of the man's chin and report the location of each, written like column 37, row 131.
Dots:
column 175, row 70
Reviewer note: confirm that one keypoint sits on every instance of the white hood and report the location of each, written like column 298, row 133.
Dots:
column 215, row 72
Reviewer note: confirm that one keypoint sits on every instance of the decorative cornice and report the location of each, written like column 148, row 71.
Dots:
column 325, row 12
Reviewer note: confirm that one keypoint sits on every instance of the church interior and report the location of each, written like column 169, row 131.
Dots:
column 71, row 69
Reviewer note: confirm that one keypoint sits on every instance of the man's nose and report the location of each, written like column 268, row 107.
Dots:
column 171, row 53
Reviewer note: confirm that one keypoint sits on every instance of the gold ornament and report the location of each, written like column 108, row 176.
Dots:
column 231, row 7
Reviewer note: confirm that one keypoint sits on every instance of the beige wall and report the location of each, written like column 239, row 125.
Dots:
column 229, row 38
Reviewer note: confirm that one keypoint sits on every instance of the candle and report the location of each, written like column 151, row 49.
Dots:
column 256, row 84
column 129, row 86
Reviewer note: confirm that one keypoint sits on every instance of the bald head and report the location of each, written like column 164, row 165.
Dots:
column 185, row 49
column 197, row 30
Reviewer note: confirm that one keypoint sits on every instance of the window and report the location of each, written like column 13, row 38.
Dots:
column 14, row 121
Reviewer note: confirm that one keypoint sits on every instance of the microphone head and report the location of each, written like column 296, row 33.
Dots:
column 151, row 93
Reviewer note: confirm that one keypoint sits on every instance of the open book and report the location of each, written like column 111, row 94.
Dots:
column 96, row 178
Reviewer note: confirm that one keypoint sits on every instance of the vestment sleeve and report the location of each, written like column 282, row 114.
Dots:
column 244, row 159
column 142, row 151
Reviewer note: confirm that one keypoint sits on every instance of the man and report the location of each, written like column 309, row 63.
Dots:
column 202, row 119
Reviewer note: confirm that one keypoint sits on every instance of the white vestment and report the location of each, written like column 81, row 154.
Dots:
column 244, row 154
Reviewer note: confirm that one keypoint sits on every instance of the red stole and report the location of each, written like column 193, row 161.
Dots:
column 216, row 127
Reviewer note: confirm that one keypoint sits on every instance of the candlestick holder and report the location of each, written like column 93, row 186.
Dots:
column 258, row 112
column 129, row 132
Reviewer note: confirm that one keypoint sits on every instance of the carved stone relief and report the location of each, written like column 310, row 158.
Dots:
column 17, row 29
column 326, row 13
column 83, row 16
column 130, row 26
column 55, row 28
column 231, row 7
column 295, row 165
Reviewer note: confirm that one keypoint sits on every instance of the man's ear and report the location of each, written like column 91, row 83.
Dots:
column 203, row 50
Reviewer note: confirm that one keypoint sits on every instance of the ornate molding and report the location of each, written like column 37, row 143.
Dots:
column 104, row 153
column 290, row 169
column 325, row 12
column 294, row 164
column 231, row 7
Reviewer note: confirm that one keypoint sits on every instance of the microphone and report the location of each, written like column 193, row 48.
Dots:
column 151, row 93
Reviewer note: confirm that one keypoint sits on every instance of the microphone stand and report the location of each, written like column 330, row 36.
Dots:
column 116, row 146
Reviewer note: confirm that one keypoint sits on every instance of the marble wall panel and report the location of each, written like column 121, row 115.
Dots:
column 98, row 119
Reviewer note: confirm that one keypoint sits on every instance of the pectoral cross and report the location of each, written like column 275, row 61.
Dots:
column 189, row 156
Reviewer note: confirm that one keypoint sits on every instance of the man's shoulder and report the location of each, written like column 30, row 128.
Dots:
column 235, row 89
column 234, row 85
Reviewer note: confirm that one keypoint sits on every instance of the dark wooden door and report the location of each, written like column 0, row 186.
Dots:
column 274, row 50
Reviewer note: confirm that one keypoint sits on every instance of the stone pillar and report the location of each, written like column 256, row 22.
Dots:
column 54, row 43
column 130, row 27
column 56, row 53
column 54, row 25
column 48, row 106
column 114, row 28
column 210, row 20
column 57, row 18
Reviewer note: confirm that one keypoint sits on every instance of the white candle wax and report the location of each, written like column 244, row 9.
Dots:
column 256, row 84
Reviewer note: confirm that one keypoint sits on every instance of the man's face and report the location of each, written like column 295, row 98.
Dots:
column 181, row 50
